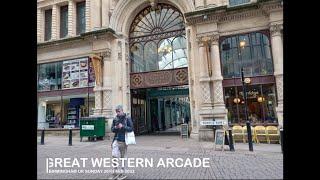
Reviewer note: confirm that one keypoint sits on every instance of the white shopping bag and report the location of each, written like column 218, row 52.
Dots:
column 130, row 138
column 115, row 149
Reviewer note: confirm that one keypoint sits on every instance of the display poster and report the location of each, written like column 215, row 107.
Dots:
column 75, row 73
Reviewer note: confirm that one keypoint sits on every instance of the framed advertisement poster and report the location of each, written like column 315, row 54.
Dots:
column 76, row 73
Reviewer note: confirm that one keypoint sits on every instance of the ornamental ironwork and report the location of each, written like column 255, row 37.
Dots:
column 157, row 19
column 172, row 77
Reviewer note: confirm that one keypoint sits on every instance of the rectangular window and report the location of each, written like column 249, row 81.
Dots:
column 81, row 20
column 261, row 104
column 49, row 76
column 63, row 21
column 237, row 2
column 47, row 24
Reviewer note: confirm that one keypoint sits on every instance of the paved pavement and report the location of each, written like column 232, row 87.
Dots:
column 265, row 162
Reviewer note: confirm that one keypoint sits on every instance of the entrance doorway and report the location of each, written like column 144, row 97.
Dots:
column 160, row 109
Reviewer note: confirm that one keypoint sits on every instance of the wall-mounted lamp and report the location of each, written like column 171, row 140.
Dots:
column 242, row 44
column 247, row 80
column 236, row 100
column 261, row 99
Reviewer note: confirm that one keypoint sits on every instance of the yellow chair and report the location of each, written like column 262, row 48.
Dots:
column 245, row 134
column 237, row 133
column 261, row 134
column 273, row 134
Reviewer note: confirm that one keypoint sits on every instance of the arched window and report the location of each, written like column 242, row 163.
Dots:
column 250, row 51
column 157, row 39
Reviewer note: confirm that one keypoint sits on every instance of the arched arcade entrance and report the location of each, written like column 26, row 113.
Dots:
column 158, row 69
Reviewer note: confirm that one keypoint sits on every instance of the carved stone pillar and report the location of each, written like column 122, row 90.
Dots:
column 107, row 83
column 277, row 52
column 202, row 57
column 206, row 105
column 71, row 18
column 204, row 75
column 219, row 109
column 98, row 100
column 40, row 18
column 54, row 22
column 87, row 15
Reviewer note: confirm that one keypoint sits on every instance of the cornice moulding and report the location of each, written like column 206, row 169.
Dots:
column 225, row 13
column 99, row 34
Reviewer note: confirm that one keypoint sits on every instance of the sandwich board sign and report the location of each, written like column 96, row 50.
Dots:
column 184, row 130
column 219, row 139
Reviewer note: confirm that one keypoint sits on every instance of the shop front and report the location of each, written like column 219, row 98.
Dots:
column 252, row 52
column 65, row 93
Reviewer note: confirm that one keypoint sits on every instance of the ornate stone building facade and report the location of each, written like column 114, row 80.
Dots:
column 210, row 29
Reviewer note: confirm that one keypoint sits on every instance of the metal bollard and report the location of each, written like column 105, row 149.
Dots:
column 281, row 139
column 70, row 137
column 231, row 140
column 42, row 137
column 249, row 135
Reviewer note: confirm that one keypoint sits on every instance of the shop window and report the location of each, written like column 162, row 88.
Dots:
column 49, row 76
column 261, row 104
column 54, row 115
column 250, row 51
column 76, row 73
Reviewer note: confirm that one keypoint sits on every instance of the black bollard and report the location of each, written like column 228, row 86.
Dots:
column 70, row 137
column 231, row 140
column 281, row 139
column 249, row 136
column 42, row 137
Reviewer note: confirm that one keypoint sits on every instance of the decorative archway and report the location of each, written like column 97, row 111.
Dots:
column 125, row 11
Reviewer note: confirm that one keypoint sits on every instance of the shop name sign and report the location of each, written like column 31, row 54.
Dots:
column 87, row 127
column 212, row 122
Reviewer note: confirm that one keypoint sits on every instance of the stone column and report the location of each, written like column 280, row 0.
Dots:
column 71, row 18
column 105, row 13
column 87, row 15
column 206, row 105
column 39, row 25
column 98, row 100
column 54, row 25
column 204, row 77
column 219, row 109
column 277, row 52
column 95, row 14
column 107, row 85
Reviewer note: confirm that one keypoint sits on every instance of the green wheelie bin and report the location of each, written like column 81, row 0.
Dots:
column 92, row 127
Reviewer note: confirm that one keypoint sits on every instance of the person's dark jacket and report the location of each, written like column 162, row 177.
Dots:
column 120, row 132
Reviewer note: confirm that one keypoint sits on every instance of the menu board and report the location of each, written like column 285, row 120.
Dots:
column 75, row 73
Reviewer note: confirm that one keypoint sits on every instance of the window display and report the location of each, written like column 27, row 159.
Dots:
column 77, row 73
column 261, row 104
column 49, row 76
